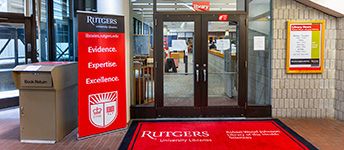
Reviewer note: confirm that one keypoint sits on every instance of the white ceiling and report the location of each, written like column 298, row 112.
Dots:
column 182, row 1
column 145, row 7
column 331, row 7
column 173, row 5
column 336, row 5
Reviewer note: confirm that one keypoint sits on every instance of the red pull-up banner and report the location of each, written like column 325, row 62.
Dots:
column 102, row 89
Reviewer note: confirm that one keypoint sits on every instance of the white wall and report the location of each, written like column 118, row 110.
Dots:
column 114, row 7
column 120, row 7
column 3, row 5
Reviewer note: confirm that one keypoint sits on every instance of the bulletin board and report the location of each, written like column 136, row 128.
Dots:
column 141, row 44
column 305, row 47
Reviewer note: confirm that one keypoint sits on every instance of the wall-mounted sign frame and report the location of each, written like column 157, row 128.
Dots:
column 305, row 46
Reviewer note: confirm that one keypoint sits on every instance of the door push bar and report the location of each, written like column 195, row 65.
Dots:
column 204, row 73
column 197, row 73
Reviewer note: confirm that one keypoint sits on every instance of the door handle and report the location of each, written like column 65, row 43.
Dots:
column 204, row 75
column 197, row 75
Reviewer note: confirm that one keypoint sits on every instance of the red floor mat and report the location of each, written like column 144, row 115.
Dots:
column 199, row 135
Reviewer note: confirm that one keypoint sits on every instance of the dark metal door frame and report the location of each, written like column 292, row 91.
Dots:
column 182, row 111
column 30, row 32
column 218, row 111
column 201, row 108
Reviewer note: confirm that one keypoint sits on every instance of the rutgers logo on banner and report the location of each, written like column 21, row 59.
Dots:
column 103, row 108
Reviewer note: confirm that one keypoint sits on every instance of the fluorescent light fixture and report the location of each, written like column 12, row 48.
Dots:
column 233, row 4
column 147, row 8
column 184, row 4
column 182, row 25
column 173, row 33
column 185, row 9
column 143, row 4
column 148, row 13
column 137, row 9
column 165, row 4
column 189, row 7
column 234, row 9
column 214, row 9
column 218, row 4
column 165, row 9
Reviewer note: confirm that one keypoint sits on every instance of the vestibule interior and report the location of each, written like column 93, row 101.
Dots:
column 179, row 72
column 222, row 65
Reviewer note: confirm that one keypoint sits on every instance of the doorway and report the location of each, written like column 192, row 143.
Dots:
column 201, row 68
column 18, row 35
column 17, row 46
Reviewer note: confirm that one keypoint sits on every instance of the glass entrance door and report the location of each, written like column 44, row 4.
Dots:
column 178, row 63
column 178, row 58
column 222, row 63
column 224, row 91
column 17, row 46
column 200, row 71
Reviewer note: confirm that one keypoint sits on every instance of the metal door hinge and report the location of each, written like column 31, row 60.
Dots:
column 245, row 105
column 29, row 47
column 156, row 65
column 156, row 22
column 246, row 22
column 22, row 111
column 246, row 64
column 4, row 19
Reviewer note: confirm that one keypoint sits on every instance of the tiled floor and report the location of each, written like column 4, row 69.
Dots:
column 322, row 133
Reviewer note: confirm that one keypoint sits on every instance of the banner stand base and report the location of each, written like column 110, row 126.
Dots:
column 77, row 135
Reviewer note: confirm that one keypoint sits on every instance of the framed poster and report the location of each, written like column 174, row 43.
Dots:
column 305, row 46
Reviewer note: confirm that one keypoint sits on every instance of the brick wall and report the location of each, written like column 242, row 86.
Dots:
column 301, row 95
column 339, row 99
